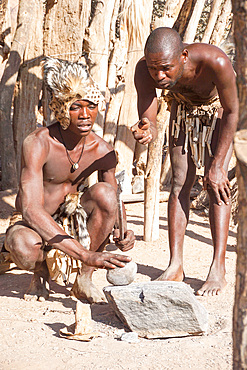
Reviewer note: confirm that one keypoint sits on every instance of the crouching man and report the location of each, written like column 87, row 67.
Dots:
column 56, row 162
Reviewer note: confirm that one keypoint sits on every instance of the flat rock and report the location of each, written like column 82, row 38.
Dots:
column 122, row 275
column 158, row 309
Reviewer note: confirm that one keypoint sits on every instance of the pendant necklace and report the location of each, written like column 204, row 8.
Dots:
column 74, row 165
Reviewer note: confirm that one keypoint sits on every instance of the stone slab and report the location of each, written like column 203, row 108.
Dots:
column 158, row 309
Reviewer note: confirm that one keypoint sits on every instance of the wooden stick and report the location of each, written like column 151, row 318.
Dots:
column 204, row 130
column 210, row 134
column 152, row 178
column 173, row 127
column 200, row 149
column 186, row 137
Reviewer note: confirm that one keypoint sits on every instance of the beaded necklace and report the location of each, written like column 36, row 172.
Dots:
column 74, row 165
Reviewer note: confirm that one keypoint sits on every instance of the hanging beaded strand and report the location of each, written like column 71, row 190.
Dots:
column 74, row 165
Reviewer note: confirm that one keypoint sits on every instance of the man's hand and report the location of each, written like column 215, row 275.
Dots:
column 141, row 131
column 216, row 178
column 125, row 244
column 105, row 260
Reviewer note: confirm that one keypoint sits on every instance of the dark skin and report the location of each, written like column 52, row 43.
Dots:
column 199, row 72
column 46, row 179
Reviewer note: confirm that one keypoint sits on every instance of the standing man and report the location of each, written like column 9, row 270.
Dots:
column 202, row 97
column 56, row 161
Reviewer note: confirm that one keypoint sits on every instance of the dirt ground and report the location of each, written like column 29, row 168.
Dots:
column 29, row 331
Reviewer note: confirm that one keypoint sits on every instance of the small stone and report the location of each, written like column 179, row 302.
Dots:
column 130, row 337
column 41, row 299
column 122, row 275
column 138, row 184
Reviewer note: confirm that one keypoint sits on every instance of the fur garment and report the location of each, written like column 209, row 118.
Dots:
column 69, row 82
column 73, row 219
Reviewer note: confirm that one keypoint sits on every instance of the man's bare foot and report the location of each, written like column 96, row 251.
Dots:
column 171, row 274
column 38, row 289
column 84, row 289
column 214, row 284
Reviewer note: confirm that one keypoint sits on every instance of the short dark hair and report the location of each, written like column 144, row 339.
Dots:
column 164, row 39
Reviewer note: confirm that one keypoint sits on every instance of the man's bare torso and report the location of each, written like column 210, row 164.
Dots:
column 58, row 179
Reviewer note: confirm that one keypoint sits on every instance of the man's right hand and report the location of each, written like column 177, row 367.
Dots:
column 105, row 260
column 141, row 131
column 125, row 244
column 216, row 179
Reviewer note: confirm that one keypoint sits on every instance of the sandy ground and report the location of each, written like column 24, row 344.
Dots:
column 29, row 331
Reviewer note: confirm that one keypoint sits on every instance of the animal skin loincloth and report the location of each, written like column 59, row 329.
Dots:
column 197, row 122
column 73, row 219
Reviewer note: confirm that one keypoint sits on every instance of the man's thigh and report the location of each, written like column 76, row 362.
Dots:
column 183, row 167
column 99, row 195
column 214, row 144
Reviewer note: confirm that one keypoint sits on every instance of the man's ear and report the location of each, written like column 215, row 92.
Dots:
column 184, row 55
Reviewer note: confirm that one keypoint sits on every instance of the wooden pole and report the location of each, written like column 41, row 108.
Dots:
column 152, row 178
column 193, row 22
column 170, row 14
column 29, row 86
column 7, row 86
column 8, row 23
column 222, row 21
column 5, row 30
column 240, row 146
column 183, row 17
column 137, row 18
column 96, row 44
column 116, row 78
column 214, row 13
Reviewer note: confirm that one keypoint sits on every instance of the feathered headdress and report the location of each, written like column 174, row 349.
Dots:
column 69, row 82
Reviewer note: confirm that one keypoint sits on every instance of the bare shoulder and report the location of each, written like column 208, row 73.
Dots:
column 210, row 55
column 204, row 50
column 40, row 135
column 37, row 142
column 102, row 146
column 142, row 78
column 141, row 67
column 103, row 151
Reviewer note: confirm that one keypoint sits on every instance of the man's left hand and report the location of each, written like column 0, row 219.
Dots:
column 216, row 178
column 125, row 244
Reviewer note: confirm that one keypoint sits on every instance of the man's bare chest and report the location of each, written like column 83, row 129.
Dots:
column 200, row 88
column 59, row 168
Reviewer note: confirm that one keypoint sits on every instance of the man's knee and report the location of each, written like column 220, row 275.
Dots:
column 212, row 196
column 105, row 197
column 24, row 245
column 176, row 187
column 179, row 186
